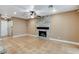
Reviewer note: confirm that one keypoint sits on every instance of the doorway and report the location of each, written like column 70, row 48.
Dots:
column 6, row 28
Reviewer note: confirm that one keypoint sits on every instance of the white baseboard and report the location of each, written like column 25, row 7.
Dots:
column 59, row 40
column 31, row 35
column 65, row 41
column 20, row 35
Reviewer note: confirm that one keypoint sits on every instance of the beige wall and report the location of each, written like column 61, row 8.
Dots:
column 19, row 26
column 32, row 27
column 65, row 26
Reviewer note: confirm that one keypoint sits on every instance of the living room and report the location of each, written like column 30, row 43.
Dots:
column 39, row 29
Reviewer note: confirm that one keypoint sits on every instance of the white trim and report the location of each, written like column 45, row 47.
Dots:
column 63, row 41
column 20, row 35
column 31, row 35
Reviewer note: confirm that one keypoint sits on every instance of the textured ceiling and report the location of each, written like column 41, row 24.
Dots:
column 22, row 11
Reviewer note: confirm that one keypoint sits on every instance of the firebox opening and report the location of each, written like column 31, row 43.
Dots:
column 42, row 33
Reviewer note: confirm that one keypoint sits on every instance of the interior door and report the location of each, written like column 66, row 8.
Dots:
column 4, row 28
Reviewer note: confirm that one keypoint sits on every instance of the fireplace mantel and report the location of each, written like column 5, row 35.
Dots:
column 46, row 28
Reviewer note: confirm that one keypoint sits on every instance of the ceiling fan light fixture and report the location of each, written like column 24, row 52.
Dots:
column 32, row 16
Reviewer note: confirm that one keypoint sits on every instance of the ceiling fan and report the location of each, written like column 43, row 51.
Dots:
column 34, row 13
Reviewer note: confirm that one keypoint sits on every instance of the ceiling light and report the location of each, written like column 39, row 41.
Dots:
column 15, row 13
column 5, row 16
column 54, row 10
column 32, row 16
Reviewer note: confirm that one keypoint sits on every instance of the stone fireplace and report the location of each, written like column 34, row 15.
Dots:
column 43, row 26
column 43, row 31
